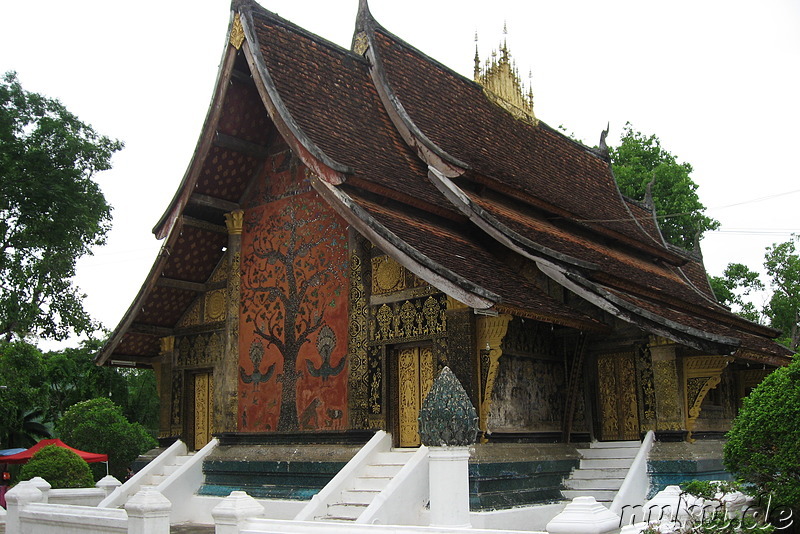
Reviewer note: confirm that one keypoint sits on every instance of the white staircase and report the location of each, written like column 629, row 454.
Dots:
column 367, row 484
column 158, row 476
column 602, row 470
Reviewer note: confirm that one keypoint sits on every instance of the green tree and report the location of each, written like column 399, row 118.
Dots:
column 763, row 445
column 639, row 160
column 782, row 264
column 71, row 376
column 782, row 312
column 51, row 212
column 60, row 467
column 98, row 425
column 23, row 395
column 737, row 282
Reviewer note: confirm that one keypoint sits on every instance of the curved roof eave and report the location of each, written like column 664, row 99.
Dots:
column 204, row 143
column 645, row 319
column 313, row 156
column 409, row 257
column 427, row 150
column 147, row 286
column 497, row 230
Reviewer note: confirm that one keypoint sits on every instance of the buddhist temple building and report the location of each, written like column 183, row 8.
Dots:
column 353, row 220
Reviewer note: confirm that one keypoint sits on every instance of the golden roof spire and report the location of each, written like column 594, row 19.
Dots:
column 502, row 83
column 477, row 58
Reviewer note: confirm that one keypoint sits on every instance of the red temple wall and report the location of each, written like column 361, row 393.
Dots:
column 293, row 316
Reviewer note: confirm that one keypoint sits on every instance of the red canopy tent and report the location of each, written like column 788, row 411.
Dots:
column 24, row 456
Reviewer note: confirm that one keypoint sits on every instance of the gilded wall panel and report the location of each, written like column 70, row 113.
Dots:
column 410, row 320
column 359, row 381
column 668, row 412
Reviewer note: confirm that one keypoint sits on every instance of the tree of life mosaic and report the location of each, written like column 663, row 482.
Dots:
column 293, row 321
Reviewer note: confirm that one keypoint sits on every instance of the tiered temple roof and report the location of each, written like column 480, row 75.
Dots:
column 420, row 160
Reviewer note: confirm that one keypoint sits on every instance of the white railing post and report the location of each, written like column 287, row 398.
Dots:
column 108, row 484
column 17, row 498
column 449, row 486
column 43, row 486
column 584, row 515
column 148, row 512
column 230, row 515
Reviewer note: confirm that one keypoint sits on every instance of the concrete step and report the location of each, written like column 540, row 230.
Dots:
column 599, row 473
column 169, row 469
column 396, row 457
column 382, row 470
column 180, row 460
column 371, row 482
column 155, row 479
column 334, row 519
column 625, row 452
column 346, row 510
column 606, row 463
column 360, row 496
column 614, row 444
column 604, row 496
column 593, row 484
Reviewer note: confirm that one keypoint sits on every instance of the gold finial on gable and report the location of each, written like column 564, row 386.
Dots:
column 237, row 32
column 502, row 83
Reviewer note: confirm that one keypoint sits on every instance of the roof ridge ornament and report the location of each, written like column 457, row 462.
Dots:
column 237, row 32
column 502, row 83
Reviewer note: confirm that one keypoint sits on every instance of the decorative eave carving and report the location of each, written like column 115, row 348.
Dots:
column 701, row 375
column 237, row 32
column 490, row 332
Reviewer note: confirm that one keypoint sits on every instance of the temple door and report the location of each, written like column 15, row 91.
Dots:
column 415, row 372
column 619, row 409
column 203, row 385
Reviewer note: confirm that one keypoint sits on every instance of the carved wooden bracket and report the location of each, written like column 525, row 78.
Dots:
column 701, row 375
column 490, row 333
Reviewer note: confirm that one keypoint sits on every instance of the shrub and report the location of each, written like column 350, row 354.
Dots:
column 97, row 425
column 60, row 467
column 763, row 446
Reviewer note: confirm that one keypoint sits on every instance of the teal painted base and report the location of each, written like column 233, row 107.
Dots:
column 508, row 484
column 268, row 479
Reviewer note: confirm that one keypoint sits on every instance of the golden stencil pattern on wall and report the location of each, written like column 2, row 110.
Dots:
column 608, row 386
column 388, row 276
column 416, row 368
column 410, row 319
column 220, row 274
column 192, row 315
column 199, row 349
column 668, row 413
column 203, row 393
column 644, row 369
column 176, row 417
column 215, row 305
column 360, row 396
column 619, row 410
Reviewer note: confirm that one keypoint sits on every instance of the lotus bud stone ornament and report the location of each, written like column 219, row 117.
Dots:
column 447, row 417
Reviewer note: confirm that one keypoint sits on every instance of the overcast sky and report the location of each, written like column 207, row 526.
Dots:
column 717, row 81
